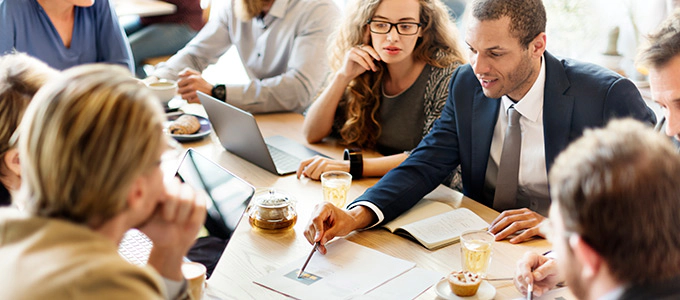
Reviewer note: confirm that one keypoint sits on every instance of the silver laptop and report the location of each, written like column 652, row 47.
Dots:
column 239, row 134
column 229, row 198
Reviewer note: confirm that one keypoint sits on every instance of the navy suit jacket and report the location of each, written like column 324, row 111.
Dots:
column 577, row 96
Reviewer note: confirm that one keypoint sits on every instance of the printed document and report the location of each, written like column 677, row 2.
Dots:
column 348, row 270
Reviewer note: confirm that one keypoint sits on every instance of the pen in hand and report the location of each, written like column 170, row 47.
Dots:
column 304, row 266
column 530, row 291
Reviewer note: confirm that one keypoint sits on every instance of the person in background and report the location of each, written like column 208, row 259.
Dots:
column 163, row 35
column 613, row 221
column 90, row 145
column 510, row 77
column 281, row 44
column 662, row 58
column 64, row 33
column 20, row 78
column 392, row 62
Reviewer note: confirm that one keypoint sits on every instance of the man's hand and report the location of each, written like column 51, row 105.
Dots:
column 173, row 228
column 512, row 221
column 329, row 221
column 315, row 166
column 191, row 81
column 540, row 270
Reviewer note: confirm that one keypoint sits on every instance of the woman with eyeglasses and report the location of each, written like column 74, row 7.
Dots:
column 392, row 61
column 20, row 78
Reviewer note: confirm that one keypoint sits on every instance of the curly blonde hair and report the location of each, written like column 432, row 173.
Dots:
column 437, row 47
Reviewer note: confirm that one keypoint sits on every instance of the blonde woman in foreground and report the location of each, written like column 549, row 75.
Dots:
column 90, row 147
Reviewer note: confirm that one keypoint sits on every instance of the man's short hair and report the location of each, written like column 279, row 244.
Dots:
column 618, row 189
column 664, row 43
column 527, row 17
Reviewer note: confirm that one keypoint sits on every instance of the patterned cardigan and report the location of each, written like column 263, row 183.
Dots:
column 436, row 93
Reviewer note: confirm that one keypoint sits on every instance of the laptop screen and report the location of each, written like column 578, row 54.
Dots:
column 229, row 194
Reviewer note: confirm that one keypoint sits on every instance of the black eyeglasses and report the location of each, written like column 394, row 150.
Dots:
column 403, row 28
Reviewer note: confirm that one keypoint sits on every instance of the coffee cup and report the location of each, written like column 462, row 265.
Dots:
column 195, row 275
column 164, row 90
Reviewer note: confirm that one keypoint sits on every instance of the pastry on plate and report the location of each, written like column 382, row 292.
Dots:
column 464, row 283
column 185, row 124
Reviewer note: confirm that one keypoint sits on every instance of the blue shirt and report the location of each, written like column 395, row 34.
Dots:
column 97, row 36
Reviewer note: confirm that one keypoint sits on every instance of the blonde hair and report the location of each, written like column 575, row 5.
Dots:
column 85, row 138
column 20, row 78
column 438, row 47
column 245, row 10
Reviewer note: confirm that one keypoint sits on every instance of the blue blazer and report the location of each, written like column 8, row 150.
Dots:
column 577, row 96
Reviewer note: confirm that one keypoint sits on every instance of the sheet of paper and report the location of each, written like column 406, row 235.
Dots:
column 407, row 286
column 347, row 271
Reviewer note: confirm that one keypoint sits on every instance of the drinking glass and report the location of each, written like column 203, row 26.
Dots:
column 475, row 250
column 335, row 185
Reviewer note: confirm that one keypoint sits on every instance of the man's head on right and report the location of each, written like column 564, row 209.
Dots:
column 615, row 196
column 662, row 58
column 86, row 137
column 506, row 40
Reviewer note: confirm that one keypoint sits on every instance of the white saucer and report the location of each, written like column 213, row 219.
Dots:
column 486, row 291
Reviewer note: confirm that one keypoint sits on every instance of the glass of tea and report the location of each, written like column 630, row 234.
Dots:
column 475, row 251
column 335, row 185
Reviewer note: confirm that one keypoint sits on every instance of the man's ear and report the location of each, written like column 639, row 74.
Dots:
column 538, row 44
column 12, row 161
column 591, row 261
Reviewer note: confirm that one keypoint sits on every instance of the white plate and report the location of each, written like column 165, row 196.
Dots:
column 486, row 291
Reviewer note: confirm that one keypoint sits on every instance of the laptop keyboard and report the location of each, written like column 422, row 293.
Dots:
column 135, row 247
column 283, row 160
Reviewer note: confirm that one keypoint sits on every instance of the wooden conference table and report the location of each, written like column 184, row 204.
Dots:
column 252, row 254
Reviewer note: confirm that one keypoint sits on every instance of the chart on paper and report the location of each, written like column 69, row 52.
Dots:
column 347, row 270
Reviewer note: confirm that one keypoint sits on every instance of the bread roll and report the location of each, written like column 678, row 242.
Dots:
column 185, row 124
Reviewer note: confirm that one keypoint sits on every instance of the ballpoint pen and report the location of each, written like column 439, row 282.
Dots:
column 530, row 291
column 302, row 270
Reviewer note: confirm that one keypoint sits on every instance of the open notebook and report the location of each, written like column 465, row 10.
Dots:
column 229, row 197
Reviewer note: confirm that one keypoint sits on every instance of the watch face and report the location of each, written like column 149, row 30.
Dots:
column 220, row 92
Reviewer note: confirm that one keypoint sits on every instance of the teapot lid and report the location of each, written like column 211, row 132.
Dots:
column 271, row 198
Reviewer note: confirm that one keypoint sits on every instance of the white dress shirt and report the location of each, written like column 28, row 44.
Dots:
column 284, row 53
column 533, row 174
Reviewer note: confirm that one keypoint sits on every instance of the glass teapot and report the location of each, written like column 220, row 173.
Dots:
column 271, row 210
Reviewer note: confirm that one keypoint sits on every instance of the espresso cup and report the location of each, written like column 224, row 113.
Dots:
column 195, row 275
column 164, row 90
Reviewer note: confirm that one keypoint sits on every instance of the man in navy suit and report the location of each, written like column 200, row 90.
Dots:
column 557, row 100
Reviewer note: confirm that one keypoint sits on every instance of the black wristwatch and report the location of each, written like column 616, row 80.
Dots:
column 219, row 91
column 356, row 162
